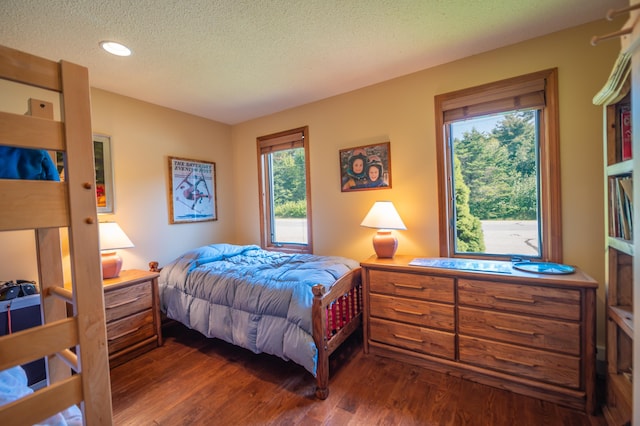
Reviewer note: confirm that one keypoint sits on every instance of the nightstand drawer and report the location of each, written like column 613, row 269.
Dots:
column 560, row 336
column 425, row 340
column 426, row 287
column 125, row 301
column 427, row 314
column 549, row 367
column 530, row 299
column 133, row 314
column 130, row 330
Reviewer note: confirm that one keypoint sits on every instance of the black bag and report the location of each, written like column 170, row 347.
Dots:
column 10, row 290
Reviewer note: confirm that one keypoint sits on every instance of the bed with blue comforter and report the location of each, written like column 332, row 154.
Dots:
column 266, row 301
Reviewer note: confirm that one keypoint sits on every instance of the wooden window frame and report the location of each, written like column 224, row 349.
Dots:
column 486, row 99
column 294, row 138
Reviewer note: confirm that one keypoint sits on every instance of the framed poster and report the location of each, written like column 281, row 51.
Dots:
column 192, row 190
column 104, row 172
column 365, row 167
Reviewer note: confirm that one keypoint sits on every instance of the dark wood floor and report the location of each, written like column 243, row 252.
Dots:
column 192, row 380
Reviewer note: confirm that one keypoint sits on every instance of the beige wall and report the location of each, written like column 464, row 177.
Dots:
column 142, row 137
column 399, row 111
column 402, row 111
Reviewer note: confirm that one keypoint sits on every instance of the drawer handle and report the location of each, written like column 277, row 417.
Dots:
column 515, row 300
column 124, row 302
column 410, row 287
column 402, row 311
column 123, row 334
column 510, row 361
column 514, row 330
column 411, row 339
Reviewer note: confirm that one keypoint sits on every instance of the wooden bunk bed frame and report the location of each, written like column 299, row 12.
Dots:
column 77, row 342
column 335, row 315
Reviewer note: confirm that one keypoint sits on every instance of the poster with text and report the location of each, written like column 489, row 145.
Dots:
column 192, row 190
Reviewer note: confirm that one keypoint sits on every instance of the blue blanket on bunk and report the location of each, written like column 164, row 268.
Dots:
column 257, row 299
column 25, row 163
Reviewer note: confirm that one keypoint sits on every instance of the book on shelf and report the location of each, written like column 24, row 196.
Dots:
column 621, row 205
column 625, row 132
column 613, row 208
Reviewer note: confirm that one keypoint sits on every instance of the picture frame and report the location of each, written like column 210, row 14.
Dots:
column 357, row 163
column 192, row 191
column 102, row 157
column 104, row 173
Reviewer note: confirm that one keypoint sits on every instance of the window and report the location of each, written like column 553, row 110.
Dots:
column 285, row 198
column 498, row 170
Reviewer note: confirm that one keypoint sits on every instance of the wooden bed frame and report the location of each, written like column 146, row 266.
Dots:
column 48, row 208
column 335, row 316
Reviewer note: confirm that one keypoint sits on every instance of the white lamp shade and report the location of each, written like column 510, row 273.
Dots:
column 383, row 215
column 112, row 237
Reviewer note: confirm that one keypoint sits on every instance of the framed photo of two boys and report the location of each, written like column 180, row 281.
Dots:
column 365, row 167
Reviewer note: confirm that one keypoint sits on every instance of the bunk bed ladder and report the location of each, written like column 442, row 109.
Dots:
column 76, row 342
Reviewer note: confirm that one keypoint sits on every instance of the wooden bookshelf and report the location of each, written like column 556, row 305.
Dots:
column 616, row 98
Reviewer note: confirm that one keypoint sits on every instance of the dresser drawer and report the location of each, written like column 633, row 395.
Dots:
column 560, row 336
column 416, row 312
column 563, row 370
column 544, row 301
column 425, row 340
column 128, row 300
column 130, row 330
column 426, row 287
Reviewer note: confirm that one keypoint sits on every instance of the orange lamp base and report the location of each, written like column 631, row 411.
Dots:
column 385, row 244
column 111, row 264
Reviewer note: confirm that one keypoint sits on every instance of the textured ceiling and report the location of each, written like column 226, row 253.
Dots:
column 234, row 60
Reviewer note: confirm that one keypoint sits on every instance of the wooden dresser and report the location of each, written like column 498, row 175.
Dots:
column 133, row 314
column 529, row 333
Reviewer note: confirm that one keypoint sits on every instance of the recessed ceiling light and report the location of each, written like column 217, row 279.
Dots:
column 115, row 48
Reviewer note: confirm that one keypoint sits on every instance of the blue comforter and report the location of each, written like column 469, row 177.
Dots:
column 256, row 299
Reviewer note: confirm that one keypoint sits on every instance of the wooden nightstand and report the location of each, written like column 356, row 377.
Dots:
column 133, row 315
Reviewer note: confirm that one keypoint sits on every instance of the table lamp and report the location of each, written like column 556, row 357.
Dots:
column 112, row 237
column 384, row 217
